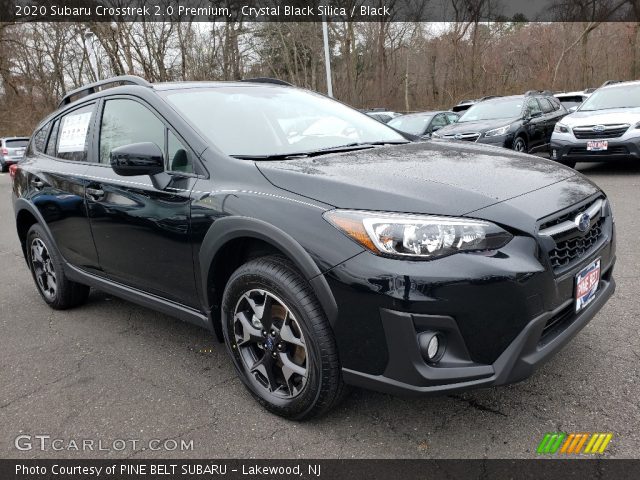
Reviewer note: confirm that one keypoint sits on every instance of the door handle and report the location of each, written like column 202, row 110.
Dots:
column 37, row 184
column 94, row 193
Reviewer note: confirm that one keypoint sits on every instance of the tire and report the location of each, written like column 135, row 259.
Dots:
column 296, row 371
column 3, row 167
column 568, row 163
column 47, row 269
column 520, row 145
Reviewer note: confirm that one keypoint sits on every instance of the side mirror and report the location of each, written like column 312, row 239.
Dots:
column 573, row 109
column 137, row 159
column 535, row 114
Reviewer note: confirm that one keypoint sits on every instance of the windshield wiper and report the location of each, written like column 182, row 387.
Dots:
column 322, row 151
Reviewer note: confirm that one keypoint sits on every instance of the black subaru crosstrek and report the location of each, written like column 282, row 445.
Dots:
column 319, row 245
column 523, row 123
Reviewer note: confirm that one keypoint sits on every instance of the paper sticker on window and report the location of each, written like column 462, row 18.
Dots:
column 73, row 132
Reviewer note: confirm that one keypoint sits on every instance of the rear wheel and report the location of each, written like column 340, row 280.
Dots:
column 48, row 273
column 520, row 145
column 280, row 340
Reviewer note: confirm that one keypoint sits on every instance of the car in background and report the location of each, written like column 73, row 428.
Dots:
column 423, row 124
column 520, row 122
column 572, row 100
column 466, row 104
column 382, row 115
column 605, row 127
column 11, row 151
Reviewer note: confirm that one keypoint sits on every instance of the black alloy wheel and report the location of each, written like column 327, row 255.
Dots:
column 280, row 340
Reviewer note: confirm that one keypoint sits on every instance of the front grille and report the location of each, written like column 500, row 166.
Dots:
column 468, row 136
column 610, row 131
column 616, row 150
column 569, row 250
column 570, row 244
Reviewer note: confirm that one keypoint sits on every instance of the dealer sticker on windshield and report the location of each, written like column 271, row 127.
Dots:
column 597, row 145
column 587, row 282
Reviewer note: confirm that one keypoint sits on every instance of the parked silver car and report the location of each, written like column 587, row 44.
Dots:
column 605, row 127
column 11, row 150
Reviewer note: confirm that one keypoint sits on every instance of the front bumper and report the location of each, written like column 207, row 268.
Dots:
column 501, row 316
column 575, row 150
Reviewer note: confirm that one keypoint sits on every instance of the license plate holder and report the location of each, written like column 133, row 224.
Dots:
column 597, row 146
column 587, row 282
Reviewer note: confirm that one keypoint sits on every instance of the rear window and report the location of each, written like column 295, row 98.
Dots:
column 16, row 143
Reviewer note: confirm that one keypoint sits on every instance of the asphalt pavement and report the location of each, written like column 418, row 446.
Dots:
column 113, row 372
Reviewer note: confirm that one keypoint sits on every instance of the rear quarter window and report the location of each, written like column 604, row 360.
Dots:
column 40, row 137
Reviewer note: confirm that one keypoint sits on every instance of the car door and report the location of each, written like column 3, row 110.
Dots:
column 534, row 123
column 54, row 166
column 140, row 224
column 549, row 115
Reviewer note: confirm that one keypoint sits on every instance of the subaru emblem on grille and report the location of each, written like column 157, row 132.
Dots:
column 458, row 136
column 598, row 128
column 583, row 222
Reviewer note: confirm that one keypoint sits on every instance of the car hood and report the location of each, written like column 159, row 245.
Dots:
column 609, row 116
column 478, row 126
column 437, row 177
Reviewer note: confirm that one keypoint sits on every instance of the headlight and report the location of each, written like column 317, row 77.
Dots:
column 417, row 236
column 496, row 132
column 561, row 128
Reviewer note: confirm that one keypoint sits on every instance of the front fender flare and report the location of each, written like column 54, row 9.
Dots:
column 227, row 229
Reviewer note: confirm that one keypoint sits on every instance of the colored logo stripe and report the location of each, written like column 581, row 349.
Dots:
column 573, row 443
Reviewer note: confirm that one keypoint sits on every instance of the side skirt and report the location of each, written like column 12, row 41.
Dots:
column 184, row 313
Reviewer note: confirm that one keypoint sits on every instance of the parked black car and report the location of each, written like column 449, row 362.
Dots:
column 423, row 124
column 11, row 151
column 335, row 253
column 521, row 122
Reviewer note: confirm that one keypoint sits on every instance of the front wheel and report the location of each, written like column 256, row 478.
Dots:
column 520, row 145
column 280, row 340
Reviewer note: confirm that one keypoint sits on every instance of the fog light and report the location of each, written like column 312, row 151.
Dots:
column 431, row 346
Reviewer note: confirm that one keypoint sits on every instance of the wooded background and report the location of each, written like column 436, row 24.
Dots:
column 400, row 66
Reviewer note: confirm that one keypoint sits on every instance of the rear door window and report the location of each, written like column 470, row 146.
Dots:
column 546, row 105
column 74, row 134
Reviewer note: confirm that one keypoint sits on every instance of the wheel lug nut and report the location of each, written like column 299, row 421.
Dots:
column 273, row 333
column 274, row 355
column 264, row 333
column 280, row 346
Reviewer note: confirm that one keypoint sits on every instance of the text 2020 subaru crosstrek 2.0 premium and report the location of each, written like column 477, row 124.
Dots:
column 317, row 243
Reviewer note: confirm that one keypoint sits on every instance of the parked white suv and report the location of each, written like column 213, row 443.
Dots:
column 605, row 127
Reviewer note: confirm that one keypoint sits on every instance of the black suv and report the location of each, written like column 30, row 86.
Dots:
column 318, row 244
column 523, row 123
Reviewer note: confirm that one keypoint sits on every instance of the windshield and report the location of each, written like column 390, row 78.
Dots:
column 248, row 121
column 413, row 124
column 627, row 96
column 493, row 110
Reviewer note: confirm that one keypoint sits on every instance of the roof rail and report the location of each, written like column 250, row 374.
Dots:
column 610, row 82
column 538, row 92
column 95, row 87
column 275, row 81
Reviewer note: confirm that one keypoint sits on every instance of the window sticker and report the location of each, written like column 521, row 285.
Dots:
column 73, row 132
